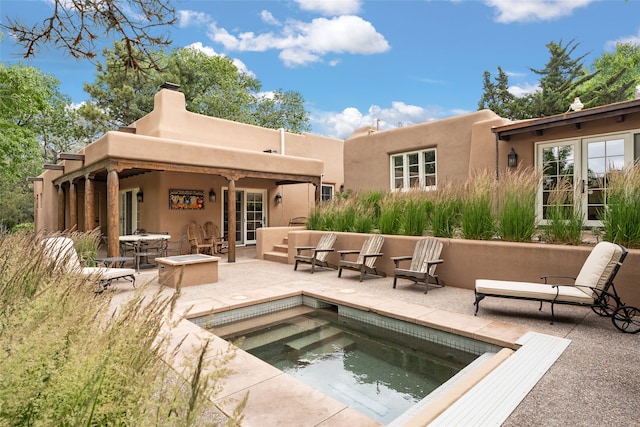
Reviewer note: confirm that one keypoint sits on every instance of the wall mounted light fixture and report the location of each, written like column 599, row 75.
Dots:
column 278, row 198
column 140, row 196
column 212, row 196
column 512, row 158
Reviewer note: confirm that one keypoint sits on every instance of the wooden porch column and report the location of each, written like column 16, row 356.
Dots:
column 89, row 206
column 317, row 193
column 231, row 255
column 113, row 188
column 61, row 208
column 73, row 206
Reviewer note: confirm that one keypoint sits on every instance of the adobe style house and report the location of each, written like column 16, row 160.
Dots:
column 172, row 166
column 581, row 146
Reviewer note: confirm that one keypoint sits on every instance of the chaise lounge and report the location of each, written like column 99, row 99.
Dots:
column 61, row 250
column 593, row 287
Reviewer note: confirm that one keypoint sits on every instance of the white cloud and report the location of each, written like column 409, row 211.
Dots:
column 342, row 124
column 268, row 18
column 534, row 10
column 330, row 7
column 524, row 89
column 209, row 51
column 301, row 43
column 188, row 18
column 611, row 45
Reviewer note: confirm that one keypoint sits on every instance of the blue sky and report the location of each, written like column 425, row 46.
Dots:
column 358, row 61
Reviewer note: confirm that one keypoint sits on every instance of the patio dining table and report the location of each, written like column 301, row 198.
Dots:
column 141, row 254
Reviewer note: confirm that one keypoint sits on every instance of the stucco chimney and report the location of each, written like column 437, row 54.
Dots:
column 170, row 86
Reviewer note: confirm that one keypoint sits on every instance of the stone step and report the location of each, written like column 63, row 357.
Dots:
column 317, row 353
column 276, row 257
column 315, row 338
column 281, row 248
column 282, row 332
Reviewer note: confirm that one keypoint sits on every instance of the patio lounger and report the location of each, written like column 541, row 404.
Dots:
column 61, row 250
column 318, row 254
column 367, row 256
column 425, row 259
column 593, row 287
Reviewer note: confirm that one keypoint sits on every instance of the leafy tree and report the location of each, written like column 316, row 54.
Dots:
column 560, row 80
column 496, row 96
column 212, row 86
column 616, row 76
column 75, row 25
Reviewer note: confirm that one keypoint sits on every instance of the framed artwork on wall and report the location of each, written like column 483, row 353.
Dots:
column 186, row 199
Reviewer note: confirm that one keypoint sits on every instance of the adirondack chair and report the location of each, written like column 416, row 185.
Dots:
column 425, row 259
column 212, row 233
column 367, row 256
column 318, row 254
column 198, row 240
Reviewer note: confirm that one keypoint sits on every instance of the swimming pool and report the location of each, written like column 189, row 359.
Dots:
column 379, row 366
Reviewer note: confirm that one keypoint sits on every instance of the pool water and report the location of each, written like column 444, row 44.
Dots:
column 376, row 371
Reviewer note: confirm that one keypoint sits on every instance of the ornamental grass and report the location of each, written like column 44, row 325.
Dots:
column 517, row 205
column 621, row 217
column 69, row 356
column 476, row 207
column 564, row 215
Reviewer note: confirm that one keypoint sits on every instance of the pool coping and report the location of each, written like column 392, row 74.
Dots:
column 271, row 391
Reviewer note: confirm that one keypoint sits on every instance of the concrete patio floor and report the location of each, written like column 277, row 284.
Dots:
column 596, row 381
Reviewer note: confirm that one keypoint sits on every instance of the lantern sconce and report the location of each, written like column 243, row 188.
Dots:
column 212, row 196
column 140, row 196
column 512, row 158
column 278, row 198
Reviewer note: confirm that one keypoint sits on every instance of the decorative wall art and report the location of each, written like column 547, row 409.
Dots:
column 186, row 199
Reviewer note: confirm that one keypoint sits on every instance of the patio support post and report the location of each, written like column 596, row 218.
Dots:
column 318, row 189
column 89, row 208
column 73, row 205
column 231, row 192
column 113, row 188
column 60, row 208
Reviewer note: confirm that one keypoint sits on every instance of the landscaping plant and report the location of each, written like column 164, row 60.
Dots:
column 517, row 205
column 621, row 217
column 71, row 357
column 564, row 215
column 446, row 210
column 476, row 218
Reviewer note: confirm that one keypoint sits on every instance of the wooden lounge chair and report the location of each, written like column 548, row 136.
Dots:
column 593, row 287
column 213, row 235
column 318, row 254
column 425, row 259
column 198, row 240
column 61, row 250
column 367, row 256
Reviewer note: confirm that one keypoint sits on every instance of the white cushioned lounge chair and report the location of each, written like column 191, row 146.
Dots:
column 61, row 250
column 592, row 287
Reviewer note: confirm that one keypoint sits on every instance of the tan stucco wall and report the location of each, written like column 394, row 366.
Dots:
column 468, row 260
column 459, row 141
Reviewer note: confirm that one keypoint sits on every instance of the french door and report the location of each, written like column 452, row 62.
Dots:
column 250, row 214
column 128, row 208
column 584, row 165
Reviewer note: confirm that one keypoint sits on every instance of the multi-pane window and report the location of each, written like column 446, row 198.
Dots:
column 558, row 176
column 416, row 169
column 603, row 157
column 327, row 192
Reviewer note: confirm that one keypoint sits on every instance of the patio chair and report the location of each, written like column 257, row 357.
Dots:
column 318, row 254
column 212, row 234
column 366, row 259
column 425, row 259
column 198, row 240
column 174, row 246
column 593, row 287
column 61, row 250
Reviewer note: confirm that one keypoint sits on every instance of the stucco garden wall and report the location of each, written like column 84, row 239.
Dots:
column 467, row 260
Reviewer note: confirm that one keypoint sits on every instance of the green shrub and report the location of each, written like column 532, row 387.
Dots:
column 476, row 218
column 517, row 205
column 446, row 210
column 621, row 218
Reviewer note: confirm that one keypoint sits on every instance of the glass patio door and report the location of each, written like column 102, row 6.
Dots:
column 250, row 214
column 128, row 208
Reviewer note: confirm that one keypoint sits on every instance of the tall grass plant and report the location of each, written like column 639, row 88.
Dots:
column 517, row 205
column 477, row 218
column 444, row 219
column 621, row 217
column 564, row 215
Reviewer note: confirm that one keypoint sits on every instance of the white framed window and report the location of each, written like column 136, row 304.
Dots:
column 327, row 192
column 415, row 169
